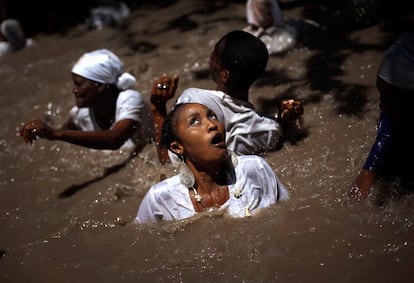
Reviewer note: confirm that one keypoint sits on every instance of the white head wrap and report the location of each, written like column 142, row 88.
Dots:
column 103, row 66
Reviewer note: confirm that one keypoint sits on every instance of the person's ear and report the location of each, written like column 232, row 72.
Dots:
column 177, row 148
column 100, row 87
column 224, row 74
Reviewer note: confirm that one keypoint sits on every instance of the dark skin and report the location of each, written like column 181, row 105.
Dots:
column 101, row 98
column 202, row 145
column 162, row 90
column 290, row 109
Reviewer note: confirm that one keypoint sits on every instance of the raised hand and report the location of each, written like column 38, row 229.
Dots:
column 290, row 110
column 163, row 89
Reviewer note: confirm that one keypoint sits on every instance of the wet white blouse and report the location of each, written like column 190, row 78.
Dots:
column 256, row 186
column 129, row 105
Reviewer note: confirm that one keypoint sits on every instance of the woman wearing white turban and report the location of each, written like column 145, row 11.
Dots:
column 109, row 113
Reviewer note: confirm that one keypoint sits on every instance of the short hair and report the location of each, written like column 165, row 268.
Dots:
column 168, row 131
column 244, row 55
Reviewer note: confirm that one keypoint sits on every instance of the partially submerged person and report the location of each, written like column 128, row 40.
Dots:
column 265, row 20
column 14, row 37
column 109, row 113
column 237, row 60
column 263, row 15
column 210, row 177
column 392, row 154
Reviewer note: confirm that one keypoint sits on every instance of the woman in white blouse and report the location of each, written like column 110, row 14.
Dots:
column 109, row 112
column 210, row 176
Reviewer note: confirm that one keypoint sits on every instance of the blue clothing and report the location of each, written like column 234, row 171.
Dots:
column 381, row 144
column 392, row 154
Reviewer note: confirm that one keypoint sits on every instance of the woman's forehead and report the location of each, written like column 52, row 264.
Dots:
column 193, row 108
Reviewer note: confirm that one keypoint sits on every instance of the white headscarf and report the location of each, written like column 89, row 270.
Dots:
column 104, row 66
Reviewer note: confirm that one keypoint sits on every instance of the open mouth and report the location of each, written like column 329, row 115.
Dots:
column 218, row 140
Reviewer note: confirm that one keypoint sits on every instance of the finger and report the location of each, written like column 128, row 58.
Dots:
column 174, row 83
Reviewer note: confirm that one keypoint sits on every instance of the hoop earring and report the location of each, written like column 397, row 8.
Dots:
column 186, row 176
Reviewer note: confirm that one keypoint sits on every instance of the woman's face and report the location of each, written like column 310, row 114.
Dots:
column 86, row 91
column 201, row 135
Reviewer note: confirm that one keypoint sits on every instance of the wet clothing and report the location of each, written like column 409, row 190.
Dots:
column 6, row 48
column 392, row 153
column 129, row 105
column 15, row 38
column 264, row 13
column 253, row 186
column 247, row 131
column 382, row 143
column 397, row 67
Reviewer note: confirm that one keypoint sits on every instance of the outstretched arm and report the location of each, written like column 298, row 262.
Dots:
column 112, row 139
column 162, row 90
column 364, row 182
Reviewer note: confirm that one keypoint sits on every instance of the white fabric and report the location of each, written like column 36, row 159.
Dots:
column 5, row 47
column 397, row 67
column 104, row 66
column 256, row 186
column 264, row 13
column 247, row 132
column 129, row 105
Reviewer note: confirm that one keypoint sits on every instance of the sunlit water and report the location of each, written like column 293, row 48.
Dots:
column 65, row 215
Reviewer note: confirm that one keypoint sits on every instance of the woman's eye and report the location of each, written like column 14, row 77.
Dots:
column 194, row 121
column 212, row 117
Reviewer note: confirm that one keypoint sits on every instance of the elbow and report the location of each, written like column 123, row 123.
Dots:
column 116, row 143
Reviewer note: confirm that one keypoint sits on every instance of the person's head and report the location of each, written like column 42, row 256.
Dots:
column 13, row 33
column 97, row 72
column 237, row 60
column 193, row 132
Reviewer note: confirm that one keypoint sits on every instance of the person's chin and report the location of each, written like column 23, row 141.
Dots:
column 80, row 104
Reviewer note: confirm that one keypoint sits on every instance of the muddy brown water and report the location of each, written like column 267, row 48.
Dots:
column 66, row 211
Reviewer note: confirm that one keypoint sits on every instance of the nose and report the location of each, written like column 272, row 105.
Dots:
column 211, row 126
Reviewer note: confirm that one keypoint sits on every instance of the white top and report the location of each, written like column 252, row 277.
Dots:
column 247, row 132
column 397, row 67
column 5, row 47
column 256, row 186
column 129, row 105
column 259, row 11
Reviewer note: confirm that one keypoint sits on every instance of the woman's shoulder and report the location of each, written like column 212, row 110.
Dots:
column 245, row 159
column 131, row 96
column 167, row 190
column 171, row 183
column 251, row 164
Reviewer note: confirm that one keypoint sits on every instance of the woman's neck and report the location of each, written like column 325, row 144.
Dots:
column 105, row 111
column 209, row 191
column 240, row 94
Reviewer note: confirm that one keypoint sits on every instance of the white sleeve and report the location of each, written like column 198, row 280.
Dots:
column 130, row 105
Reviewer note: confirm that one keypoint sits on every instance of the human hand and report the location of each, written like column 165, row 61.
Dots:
column 36, row 128
column 290, row 110
column 362, row 185
column 163, row 89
